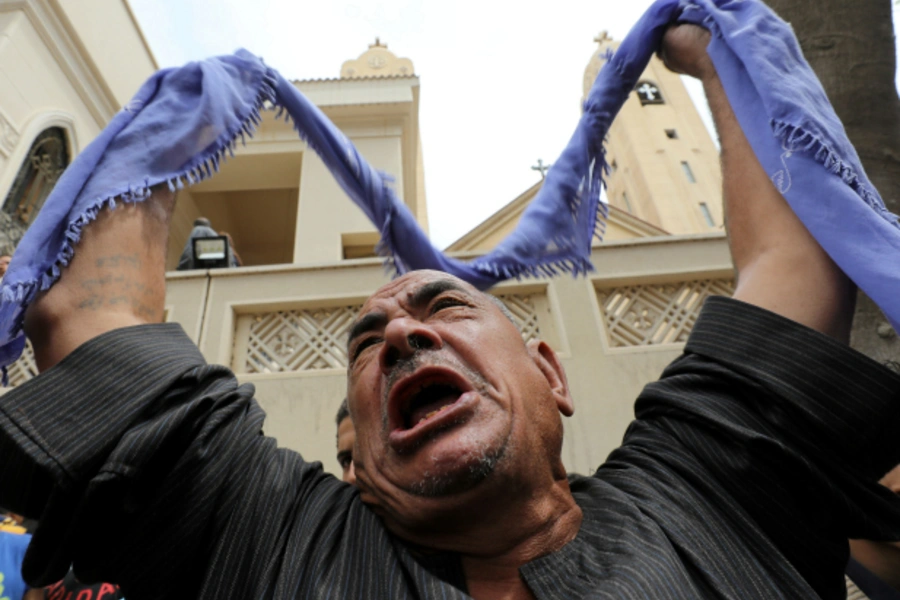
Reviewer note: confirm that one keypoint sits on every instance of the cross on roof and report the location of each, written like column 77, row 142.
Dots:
column 603, row 36
column 540, row 166
column 377, row 43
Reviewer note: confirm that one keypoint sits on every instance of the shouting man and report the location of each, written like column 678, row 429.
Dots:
column 750, row 462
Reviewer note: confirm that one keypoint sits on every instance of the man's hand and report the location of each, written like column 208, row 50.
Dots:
column 780, row 266
column 116, row 279
column 683, row 50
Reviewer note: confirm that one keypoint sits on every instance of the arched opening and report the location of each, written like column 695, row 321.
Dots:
column 46, row 160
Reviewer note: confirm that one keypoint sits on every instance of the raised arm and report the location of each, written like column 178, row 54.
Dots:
column 780, row 265
column 161, row 454
column 116, row 279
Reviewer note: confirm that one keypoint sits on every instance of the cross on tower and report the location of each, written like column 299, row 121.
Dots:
column 648, row 91
column 603, row 37
column 540, row 166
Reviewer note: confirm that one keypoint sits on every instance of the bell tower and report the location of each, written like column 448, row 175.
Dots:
column 664, row 167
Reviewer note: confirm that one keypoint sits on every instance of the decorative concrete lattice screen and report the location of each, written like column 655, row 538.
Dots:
column 23, row 369
column 311, row 339
column 525, row 314
column 647, row 315
column 306, row 339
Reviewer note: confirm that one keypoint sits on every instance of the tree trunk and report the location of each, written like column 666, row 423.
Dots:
column 850, row 46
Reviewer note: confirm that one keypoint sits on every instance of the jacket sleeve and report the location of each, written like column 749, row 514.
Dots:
column 779, row 424
column 137, row 457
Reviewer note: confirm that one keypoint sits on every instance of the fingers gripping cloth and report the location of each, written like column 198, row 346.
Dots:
column 184, row 122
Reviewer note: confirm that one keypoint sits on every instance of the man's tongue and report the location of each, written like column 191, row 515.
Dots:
column 433, row 404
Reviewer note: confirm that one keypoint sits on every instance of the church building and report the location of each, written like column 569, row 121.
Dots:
column 280, row 320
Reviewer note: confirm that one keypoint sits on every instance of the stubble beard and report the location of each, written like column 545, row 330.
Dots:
column 481, row 466
column 485, row 457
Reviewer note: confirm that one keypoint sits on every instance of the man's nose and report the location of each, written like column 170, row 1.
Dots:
column 404, row 337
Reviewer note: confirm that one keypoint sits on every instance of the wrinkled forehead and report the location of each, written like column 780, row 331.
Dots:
column 403, row 290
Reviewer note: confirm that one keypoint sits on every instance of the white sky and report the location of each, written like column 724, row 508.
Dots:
column 500, row 81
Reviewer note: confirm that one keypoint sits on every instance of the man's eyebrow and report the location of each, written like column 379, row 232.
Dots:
column 420, row 297
column 368, row 323
column 427, row 292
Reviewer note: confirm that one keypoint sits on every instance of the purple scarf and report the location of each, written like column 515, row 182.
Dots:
column 183, row 122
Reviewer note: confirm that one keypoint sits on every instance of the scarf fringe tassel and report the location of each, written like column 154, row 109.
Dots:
column 135, row 192
column 561, row 261
column 796, row 139
column 550, row 265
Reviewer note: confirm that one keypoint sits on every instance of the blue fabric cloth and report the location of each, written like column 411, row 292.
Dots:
column 183, row 121
column 12, row 553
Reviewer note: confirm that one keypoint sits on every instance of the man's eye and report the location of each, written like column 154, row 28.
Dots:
column 445, row 303
column 363, row 344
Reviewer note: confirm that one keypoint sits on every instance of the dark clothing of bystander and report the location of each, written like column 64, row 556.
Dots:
column 69, row 588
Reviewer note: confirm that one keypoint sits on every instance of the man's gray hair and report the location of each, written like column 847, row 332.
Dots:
column 503, row 308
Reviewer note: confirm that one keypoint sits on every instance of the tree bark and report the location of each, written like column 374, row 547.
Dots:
column 850, row 46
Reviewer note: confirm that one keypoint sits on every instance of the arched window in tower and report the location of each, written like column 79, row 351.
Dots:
column 648, row 93
column 46, row 160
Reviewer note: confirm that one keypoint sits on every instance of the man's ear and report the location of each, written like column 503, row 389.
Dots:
column 547, row 361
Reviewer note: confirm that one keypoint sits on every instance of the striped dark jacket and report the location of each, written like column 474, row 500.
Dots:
column 748, row 465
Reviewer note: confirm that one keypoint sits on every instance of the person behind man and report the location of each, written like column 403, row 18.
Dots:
column 14, row 540
column 4, row 264
column 12, row 553
column 346, row 436
column 12, row 522
column 748, row 465
column 70, row 588
column 202, row 229
column 236, row 260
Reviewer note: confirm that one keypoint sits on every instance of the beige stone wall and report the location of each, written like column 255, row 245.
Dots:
column 298, row 316
column 325, row 212
column 276, row 179
column 282, row 329
column 113, row 39
column 34, row 94
column 56, row 70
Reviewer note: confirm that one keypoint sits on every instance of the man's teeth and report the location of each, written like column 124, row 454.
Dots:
column 434, row 412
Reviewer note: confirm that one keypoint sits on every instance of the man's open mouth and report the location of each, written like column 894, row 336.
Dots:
column 432, row 400
column 428, row 400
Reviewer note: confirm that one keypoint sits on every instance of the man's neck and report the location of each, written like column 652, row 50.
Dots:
column 500, row 536
column 497, row 576
column 486, row 580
